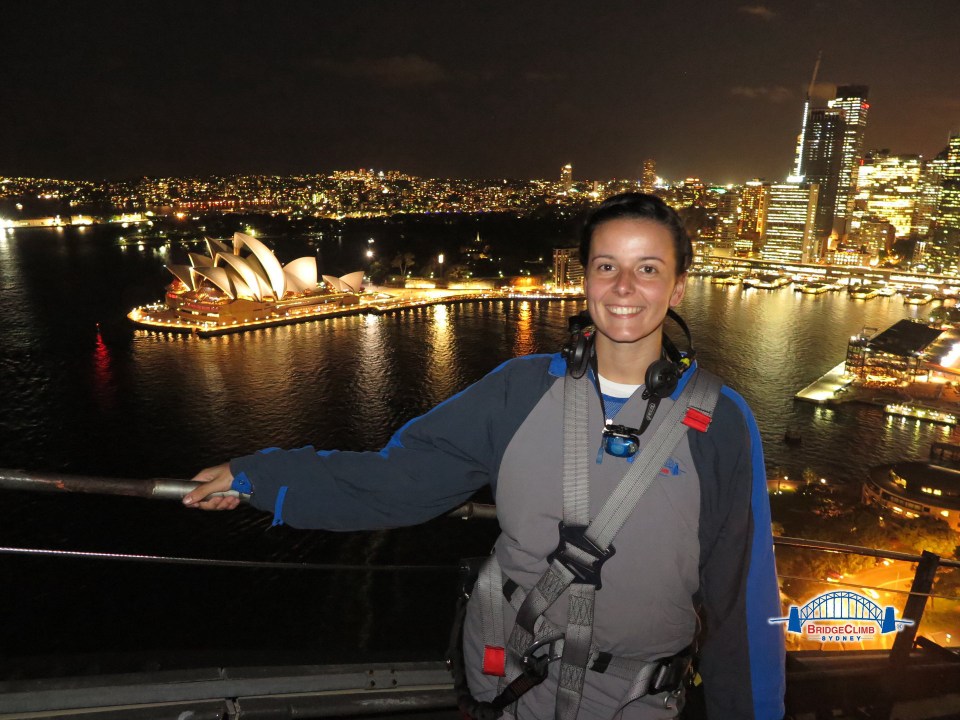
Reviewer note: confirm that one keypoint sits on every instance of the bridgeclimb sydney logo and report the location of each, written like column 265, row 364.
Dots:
column 842, row 616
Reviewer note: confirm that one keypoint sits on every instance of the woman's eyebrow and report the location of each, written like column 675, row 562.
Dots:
column 645, row 258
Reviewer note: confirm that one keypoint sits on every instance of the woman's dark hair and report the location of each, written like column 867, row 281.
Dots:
column 638, row 206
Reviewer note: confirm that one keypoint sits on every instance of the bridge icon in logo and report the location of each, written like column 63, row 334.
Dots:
column 842, row 614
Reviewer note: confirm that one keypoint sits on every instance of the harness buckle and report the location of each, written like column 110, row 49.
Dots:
column 537, row 666
column 670, row 672
column 586, row 572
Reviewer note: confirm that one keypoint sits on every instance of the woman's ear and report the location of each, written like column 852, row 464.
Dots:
column 678, row 290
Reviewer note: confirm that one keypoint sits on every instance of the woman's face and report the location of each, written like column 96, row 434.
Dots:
column 631, row 279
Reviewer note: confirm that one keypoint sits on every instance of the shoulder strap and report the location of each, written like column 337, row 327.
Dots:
column 695, row 404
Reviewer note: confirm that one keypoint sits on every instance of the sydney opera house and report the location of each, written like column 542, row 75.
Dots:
column 246, row 287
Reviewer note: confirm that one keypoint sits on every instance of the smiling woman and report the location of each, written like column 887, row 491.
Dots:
column 683, row 497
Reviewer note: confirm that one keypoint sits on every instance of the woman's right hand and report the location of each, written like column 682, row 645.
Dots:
column 215, row 479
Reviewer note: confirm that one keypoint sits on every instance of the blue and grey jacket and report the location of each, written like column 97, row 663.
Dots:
column 695, row 555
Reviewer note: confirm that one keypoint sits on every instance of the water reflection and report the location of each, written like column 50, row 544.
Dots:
column 442, row 351
column 523, row 342
column 104, row 390
column 371, row 367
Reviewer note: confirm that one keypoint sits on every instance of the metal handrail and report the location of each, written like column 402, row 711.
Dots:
column 855, row 550
column 156, row 489
column 173, row 489
column 871, row 674
column 213, row 562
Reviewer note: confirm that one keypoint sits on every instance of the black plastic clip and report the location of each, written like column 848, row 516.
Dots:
column 584, row 572
column 670, row 672
column 536, row 666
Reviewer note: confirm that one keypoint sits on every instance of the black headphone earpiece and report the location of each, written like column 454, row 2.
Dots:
column 580, row 345
column 664, row 375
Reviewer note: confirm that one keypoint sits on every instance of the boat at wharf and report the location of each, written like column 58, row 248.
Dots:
column 917, row 298
column 920, row 412
column 766, row 281
column 813, row 288
column 727, row 279
column 864, row 292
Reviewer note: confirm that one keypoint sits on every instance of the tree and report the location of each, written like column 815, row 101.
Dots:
column 928, row 533
column 377, row 272
column 458, row 271
column 403, row 262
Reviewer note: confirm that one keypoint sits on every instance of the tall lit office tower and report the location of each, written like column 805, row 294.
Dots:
column 822, row 158
column 948, row 215
column 928, row 202
column 753, row 215
column 789, row 235
column 727, row 219
column 649, row 177
column 798, row 169
column 888, row 187
column 566, row 176
column 851, row 101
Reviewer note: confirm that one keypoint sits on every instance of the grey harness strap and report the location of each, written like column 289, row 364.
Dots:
column 584, row 545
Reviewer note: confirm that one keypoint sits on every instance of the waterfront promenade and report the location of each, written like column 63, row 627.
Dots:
column 374, row 301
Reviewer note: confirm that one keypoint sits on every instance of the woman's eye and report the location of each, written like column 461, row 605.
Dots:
column 605, row 267
column 647, row 269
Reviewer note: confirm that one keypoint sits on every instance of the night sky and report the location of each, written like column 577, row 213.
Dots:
column 445, row 88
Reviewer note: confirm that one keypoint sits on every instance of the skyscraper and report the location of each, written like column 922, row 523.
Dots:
column 566, row 176
column 798, row 169
column 727, row 219
column 928, row 200
column 789, row 235
column 649, row 177
column 753, row 215
column 821, row 161
column 947, row 234
column 830, row 152
column 851, row 101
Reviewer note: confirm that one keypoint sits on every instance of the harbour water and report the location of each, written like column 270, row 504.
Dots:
column 115, row 401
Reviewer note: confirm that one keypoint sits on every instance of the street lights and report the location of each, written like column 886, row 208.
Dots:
column 369, row 253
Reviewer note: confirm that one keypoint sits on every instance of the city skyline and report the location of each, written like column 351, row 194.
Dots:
column 457, row 90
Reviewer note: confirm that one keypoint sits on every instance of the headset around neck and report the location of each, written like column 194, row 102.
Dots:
column 660, row 380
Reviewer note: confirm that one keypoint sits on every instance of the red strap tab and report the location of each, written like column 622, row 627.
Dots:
column 494, row 661
column 696, row 419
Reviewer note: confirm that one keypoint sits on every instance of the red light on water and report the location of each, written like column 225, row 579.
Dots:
column 103, row 381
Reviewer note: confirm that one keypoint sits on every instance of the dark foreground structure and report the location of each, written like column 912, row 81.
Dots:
column 915, row 679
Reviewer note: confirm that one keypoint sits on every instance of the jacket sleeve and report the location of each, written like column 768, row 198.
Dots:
column 432, row 464
column 742, row 655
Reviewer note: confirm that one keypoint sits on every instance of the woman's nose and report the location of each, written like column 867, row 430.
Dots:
column 623, row 282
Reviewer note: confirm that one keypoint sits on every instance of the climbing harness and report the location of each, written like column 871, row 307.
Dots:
column 575, row 569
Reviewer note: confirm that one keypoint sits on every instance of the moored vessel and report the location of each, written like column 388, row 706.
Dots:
column 920, row 412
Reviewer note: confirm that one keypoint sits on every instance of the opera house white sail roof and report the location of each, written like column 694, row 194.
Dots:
column 258, row 274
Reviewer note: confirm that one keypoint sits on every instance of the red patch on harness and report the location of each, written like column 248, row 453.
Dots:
column 697, row 420
column 494, row 661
